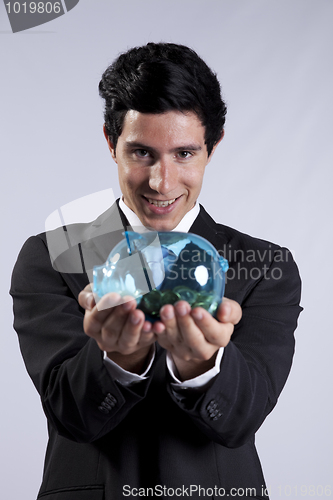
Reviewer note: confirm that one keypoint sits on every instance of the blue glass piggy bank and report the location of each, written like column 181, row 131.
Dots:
column 158, row 268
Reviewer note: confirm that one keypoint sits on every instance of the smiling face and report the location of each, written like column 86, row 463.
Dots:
column 161, row 162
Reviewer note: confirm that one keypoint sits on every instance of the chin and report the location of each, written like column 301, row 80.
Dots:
column 161, row 226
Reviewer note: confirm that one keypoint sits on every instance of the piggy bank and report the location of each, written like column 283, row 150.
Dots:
column 158, row 268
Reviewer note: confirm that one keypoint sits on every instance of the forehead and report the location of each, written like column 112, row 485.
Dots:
column 172, row 127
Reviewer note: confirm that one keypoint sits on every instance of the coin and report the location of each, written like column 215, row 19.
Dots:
column 151, row 302
column 185, row 293
column 204, row 300
column 168, row 297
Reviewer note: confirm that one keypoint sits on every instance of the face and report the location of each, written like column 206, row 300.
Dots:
column 161, row 162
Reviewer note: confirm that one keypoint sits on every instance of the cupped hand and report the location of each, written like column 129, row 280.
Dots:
column 118, row 328
column 193, row 337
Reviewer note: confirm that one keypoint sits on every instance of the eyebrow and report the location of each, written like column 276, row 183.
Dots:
column 139, row 145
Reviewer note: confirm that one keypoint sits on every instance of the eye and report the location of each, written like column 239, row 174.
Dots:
column 184, row 154
column 141, row 153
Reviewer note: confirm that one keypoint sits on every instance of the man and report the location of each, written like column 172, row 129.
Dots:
column 170, row 408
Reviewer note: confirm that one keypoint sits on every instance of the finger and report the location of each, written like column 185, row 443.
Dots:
column 168, row 320
column 133, row 335
column 229, row 311
column 127, row 338
column 125, row 330
column 167, row 329
column 158, row 327
column 112, row 325
column 192, row 337
column 115, row 322
column 86, row 298
column 147, row 327
column 214, row 332
column 184, row 320
column 95, row 318
column 127, row 333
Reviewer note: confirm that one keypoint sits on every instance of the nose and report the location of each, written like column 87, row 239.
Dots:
column 163, row 176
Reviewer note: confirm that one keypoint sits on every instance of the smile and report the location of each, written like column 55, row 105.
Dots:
column 164, row 203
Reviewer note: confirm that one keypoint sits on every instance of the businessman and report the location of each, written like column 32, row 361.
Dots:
column 168, row 409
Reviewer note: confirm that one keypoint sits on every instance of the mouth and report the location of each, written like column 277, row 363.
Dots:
column 161, row 207
column 161, row 203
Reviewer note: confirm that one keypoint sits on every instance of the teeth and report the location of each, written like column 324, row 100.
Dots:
column 161, row 203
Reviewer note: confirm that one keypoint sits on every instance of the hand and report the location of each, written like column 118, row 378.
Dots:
column 193, row 337
column 118, row 328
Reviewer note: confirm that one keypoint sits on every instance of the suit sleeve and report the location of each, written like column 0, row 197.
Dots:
column 78, row 395
column 257, row 360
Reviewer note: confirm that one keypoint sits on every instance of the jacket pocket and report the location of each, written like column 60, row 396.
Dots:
column 93, row 492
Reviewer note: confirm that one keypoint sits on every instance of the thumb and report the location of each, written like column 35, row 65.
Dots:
column 229, row 311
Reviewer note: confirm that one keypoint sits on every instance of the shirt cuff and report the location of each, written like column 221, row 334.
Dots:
column 199, row 382
column 124, row 377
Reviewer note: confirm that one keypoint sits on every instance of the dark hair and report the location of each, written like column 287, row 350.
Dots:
column 160, row 77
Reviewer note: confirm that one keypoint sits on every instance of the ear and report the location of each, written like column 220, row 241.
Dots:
column 110, row 144
column 215, row 146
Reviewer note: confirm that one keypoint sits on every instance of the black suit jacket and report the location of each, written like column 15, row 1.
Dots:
column 104, row 438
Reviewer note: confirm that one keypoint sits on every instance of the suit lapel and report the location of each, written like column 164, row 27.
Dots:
column 206, row 227
column 102, row 236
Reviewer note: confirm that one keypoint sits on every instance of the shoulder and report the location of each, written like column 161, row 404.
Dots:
column 254, row 263
column 70, row 248
column 53, row 248
column 230, row 239
column 66, row 253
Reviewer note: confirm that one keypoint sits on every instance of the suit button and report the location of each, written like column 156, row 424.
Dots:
column 213, row 410
column 110, row 400
column 108, row 403
column 211, row 405
column 103, row 410
column 106, row 406
column 217, row 416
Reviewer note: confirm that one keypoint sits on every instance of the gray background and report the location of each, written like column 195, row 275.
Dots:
column 270, row 177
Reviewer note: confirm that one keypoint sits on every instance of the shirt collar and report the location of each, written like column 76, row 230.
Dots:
column 183, row 226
